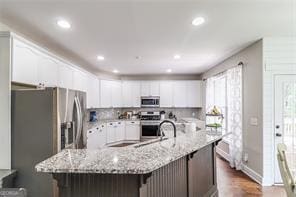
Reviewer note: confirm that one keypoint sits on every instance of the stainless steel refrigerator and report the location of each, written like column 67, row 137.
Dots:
column 43, row 123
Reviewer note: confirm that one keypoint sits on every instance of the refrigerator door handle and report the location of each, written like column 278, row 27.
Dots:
column 76, row 141
column 81, row 119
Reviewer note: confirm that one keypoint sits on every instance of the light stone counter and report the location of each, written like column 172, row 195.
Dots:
column 132, row 159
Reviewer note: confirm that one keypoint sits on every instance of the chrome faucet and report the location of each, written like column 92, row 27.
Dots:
column 161, row 133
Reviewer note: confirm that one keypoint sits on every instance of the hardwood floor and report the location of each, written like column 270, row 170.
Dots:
column 232, row 183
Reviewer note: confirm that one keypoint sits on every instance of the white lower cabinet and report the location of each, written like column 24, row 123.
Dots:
column 111, row 132
column 120, row 131
column 132, row 130
column 96, row 137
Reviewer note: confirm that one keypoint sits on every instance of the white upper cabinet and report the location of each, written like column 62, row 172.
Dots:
column 166, row 94
column 127, row 96
column 24, row 63
column 65, row 76
column 111, row 94
column 145, row 88
column 180, row 94
column 131, row 94
column 150, row 88
column 93, row 92
column 136, row 94
column 106, row 93
column 47, row 71
column 154, row 88
column 194, row 94
column 116, row 94
column 80, row 80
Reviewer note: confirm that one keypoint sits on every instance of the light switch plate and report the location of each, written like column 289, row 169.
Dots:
column 254, row 121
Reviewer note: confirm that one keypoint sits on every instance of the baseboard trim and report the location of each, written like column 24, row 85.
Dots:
column 245, row 169
column 252, row 174
column 223, row 154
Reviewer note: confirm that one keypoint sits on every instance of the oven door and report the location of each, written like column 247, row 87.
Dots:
column 149, row 130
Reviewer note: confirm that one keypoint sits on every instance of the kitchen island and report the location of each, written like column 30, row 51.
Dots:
column 175, row 167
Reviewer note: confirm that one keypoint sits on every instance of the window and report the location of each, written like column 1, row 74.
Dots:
column 216, row 95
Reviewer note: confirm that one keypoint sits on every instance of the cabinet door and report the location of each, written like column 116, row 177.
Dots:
column 79, row 80
column 145, row 88
column 105, row 94
column 93, row 93
column 102, row 135
column 166, row 94
column 136, row 93
column 65, row 76
column 92, row 136
column 180, row 94
column 116, row 94
column 111, row 132
column 96, row 137
column 120, row 131
column 194, row 98
column 24, row 64
column 47, row 70
column 154, row 88
column 132, row 130
column 127, row 95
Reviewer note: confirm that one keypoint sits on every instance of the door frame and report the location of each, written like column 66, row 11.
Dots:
column 276, row 77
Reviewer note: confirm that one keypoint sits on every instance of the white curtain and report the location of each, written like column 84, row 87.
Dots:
column 234, row 115
column 210, row 93
column 232, row 111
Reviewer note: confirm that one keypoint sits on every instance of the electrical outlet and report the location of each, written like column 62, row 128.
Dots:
column 254, row 121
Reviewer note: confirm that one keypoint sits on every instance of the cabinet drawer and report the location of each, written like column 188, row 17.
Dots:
column 132, row 122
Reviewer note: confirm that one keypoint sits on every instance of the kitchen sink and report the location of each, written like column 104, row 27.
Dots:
column 150, row 142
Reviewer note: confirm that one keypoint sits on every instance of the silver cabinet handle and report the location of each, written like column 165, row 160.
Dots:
column 278, row 135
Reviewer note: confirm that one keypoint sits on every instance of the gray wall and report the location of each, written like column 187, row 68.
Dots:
column 5, row 135
column 252, row 58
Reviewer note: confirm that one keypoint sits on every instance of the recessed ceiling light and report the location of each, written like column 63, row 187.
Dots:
column 169, row 70
column 176, row 57
column 64, row 24
column 100, row 57
column 198, row 21
column 115, row 71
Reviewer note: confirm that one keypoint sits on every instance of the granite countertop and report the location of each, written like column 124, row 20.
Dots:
column 130, row 159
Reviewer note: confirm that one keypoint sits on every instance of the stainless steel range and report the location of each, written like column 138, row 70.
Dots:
column 150, row 121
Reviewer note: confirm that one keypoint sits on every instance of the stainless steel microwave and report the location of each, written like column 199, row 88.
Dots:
column 150, row 101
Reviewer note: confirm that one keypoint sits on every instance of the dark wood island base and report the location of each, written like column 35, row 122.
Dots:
column 191, row 176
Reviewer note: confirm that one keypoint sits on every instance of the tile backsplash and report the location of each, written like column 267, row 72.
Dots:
column 112, row 113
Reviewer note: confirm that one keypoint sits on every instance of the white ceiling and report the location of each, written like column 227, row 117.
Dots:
column 153, row 30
